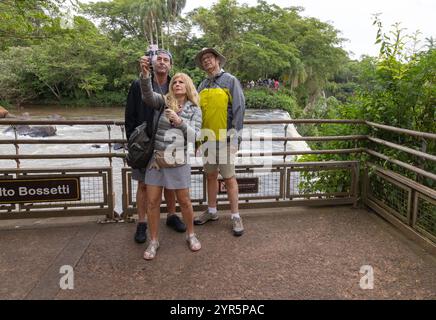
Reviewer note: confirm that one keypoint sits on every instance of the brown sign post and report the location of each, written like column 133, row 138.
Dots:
column 39, row 190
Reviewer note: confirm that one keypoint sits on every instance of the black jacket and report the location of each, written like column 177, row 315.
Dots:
column 136, row 110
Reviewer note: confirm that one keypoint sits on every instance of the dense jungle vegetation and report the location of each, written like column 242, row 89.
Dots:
column 70, row 53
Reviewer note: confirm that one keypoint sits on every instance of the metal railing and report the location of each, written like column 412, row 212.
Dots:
column 96, row 192
column 403, row 201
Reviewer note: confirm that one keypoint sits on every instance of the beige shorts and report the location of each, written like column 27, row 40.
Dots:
column 219, row 159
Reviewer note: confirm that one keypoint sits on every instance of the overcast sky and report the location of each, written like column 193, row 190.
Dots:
column 354, row 17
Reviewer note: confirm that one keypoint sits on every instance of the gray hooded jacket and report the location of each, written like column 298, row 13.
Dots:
column 166, row 133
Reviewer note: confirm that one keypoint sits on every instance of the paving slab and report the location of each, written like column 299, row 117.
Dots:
column 285, row 253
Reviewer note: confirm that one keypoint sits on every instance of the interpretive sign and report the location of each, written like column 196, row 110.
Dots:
column 39, row 190
column 245, row 185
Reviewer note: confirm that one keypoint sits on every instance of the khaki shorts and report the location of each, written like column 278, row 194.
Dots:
column 220, row 159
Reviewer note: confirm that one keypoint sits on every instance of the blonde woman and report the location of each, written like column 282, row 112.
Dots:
column 181, row 118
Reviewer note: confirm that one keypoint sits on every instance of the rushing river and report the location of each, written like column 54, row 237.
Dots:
column 101, row 132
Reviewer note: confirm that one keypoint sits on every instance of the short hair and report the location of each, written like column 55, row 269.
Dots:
column 159, row 51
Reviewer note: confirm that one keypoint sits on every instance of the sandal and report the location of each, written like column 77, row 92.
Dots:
column 150, row 252
column 193, row 242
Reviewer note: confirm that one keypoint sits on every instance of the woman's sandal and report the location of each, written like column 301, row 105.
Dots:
column 150, row 252
column 193, row 242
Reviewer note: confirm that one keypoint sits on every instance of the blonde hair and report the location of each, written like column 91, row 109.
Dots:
column 191, row 92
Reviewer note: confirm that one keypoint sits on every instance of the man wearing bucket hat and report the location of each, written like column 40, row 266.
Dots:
column 222, row 104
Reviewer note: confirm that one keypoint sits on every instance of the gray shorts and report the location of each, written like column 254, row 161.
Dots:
column 219, row 159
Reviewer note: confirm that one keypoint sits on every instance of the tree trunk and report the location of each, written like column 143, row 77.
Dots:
column 57, row 95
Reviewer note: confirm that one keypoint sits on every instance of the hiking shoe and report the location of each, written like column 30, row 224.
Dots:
column 150, row 252
column 193, row 242
column 205, row 217
column 174, row 222
column 140, row 235
column 238, row 227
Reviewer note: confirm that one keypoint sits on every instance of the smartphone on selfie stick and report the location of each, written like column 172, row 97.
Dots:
column 152, row 51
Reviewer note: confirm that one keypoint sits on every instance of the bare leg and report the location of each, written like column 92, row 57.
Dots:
column 212, row 189
column 186, row 207
column 170, row 198
column 140, row 201
column 232, row 194
column 154, row 196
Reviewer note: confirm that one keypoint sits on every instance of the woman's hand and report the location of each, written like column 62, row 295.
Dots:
column 173, row 117
column 144, row 64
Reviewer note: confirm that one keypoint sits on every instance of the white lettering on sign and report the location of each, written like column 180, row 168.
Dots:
column 26, row 191
column 34, row 190
column 7, row 192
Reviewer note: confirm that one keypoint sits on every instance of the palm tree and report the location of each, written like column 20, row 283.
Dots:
column 173, row 10
column 152, row 12
column 155, row 13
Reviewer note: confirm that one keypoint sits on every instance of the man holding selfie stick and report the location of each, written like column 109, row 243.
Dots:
column 135, row 114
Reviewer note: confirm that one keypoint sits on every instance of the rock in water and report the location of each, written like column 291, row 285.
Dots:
column 39, row 131
column 3, row 112
column 42, row 131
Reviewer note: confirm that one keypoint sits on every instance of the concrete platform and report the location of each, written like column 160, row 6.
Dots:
column 286, row 253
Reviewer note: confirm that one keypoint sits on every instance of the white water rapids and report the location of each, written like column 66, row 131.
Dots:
column 101, row 132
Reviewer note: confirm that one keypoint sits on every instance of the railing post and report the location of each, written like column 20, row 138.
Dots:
column 110, row 143
column 365, row 184
column 17, row 147
column 111, row 195
column 355, row 184
column 419, row 177
column 122, row 127
column 284, row 145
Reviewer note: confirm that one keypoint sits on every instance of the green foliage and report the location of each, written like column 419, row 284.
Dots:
column 76, row 60
column 137, row 19
column 268, row 99
column 397, row 89
column 267, row 41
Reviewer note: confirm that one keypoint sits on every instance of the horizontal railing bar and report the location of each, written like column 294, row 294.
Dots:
column 121, row 122
column 253, row 122
column 122, row 141
column 199, row 169
column 320, row 138
column 329, row 163
column 308, row 121
column 53, row 169
column 402, row 164
column 319, row 195
column 89, row 141
column 121, row 155
column 400, row 130
column 401, row 148
column 61, row 122
column 60, row 141
column 61, row 156
column 405, row 181
column 294, row 153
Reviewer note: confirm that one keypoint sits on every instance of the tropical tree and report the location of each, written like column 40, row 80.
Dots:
column 140, row 19
column 25, row 22
column 269, row 41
